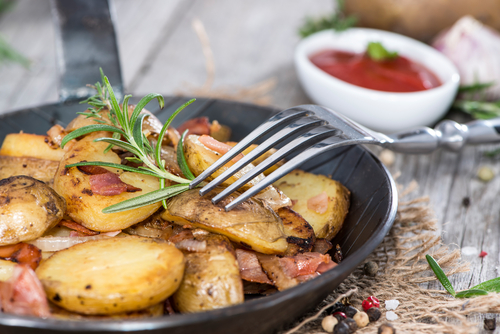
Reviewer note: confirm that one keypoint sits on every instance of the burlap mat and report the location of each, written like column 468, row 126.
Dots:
column 402, row 270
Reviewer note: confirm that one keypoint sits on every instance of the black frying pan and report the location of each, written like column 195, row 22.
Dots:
column 88, row 42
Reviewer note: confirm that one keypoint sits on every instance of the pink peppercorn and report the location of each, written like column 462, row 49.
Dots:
column 483, row 254
column 370, row 302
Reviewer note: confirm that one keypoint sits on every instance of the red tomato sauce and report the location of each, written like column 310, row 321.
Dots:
column 396, row 75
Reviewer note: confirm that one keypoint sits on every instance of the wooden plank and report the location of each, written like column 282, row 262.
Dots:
column 29, row 29
column 251, row 42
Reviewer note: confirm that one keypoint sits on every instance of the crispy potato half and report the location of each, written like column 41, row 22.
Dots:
column 84, row 206
column 250, row 224
column 261, row 158
column 29, row 145
column 43, row 170
column 211, row 279
column 112, row 276
column 299, row 233
column 302, row 187
column 28, row 208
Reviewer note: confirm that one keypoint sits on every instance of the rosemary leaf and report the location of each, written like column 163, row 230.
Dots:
column 134, row 160
column 440, row 275
column 164, row 129
column 89, row 129
column 9, row 54
column 110, row 146
column 146, row 199
column 112, row 165
column 471, row 293
column 475, row 87
column 142, row 104
column 116, row 106
column 137, row 131
column 337, row 21
column 120, row 143
column 492, row 285
column 181, row 159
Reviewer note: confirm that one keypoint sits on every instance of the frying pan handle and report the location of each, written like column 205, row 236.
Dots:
column 85, row 41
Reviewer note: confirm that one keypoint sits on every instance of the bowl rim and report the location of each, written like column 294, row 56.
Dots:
column 178, row 320
column 301, row 60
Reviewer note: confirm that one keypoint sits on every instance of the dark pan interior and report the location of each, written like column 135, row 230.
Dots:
column 372, row 212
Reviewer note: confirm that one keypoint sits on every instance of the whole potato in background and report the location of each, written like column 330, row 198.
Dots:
column 421, row 19
column 28, row 208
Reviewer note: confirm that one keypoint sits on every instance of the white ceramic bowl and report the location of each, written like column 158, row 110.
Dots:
column 382, row 111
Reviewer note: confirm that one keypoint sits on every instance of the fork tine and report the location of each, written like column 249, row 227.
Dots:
column 316, row 149
column 312, row 136
column 281, row 118
column 299, row 125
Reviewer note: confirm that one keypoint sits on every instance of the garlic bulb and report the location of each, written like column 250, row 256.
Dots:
column 475, row 49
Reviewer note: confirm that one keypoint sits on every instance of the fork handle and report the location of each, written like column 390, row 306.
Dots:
column 448, row 134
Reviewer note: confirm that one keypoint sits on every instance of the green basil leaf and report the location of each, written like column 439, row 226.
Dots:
column 112, row 165
column 143, row 102
column 164, row 129
column 377, row 52
column 89, row 129
column 146, row 199
column 492, row 285
column 470, row 293
column 181, row 159
column 440, row 275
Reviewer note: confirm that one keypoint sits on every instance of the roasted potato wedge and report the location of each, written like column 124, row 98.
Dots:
column 84, row 207
column 112, row 276
column 43, row 170
column 28, row 208
column 301, row 186
column 250, row 224
column 211, row 279
column 29, row 145
column 6, row 269
column 299, row 233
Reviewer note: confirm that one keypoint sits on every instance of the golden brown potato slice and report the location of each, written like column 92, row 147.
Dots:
column 29, row 145
column 250, row 224
column 300, row 234
column 303, row 187
column 84, row 206
column 112, row 276
column 28, row 208
column 220, row 132
column 39, row 169
column 199, row 158
column 211, row 279
column 261, row 158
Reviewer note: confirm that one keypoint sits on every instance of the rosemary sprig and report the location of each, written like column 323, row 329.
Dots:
column 493, row 285
column 128, row 135
column 337, row 21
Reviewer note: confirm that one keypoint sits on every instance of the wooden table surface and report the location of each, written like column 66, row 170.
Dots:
column 251, row 41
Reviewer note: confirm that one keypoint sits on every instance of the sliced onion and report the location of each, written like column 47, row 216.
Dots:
column 111, row 233
column 54, row 244
column 192, row 245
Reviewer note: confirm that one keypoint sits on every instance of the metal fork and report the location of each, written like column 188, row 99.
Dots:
column 325, row 130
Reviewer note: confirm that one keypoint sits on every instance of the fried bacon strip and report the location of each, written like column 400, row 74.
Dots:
column 196, row 126
column 218, row 147
column 77, row 227
column 23, row 294
column 250, row 268
column 22, row 253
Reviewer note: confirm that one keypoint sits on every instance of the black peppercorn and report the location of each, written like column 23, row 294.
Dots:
column 373, row 314
column 337, row 256
column 337, row 307
column 370, row 268
column 490, row 324
column 341, row 328
column 466, row 202
column 386, row 329
column 350, row 311
column 340, row 316
column 353, row 326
